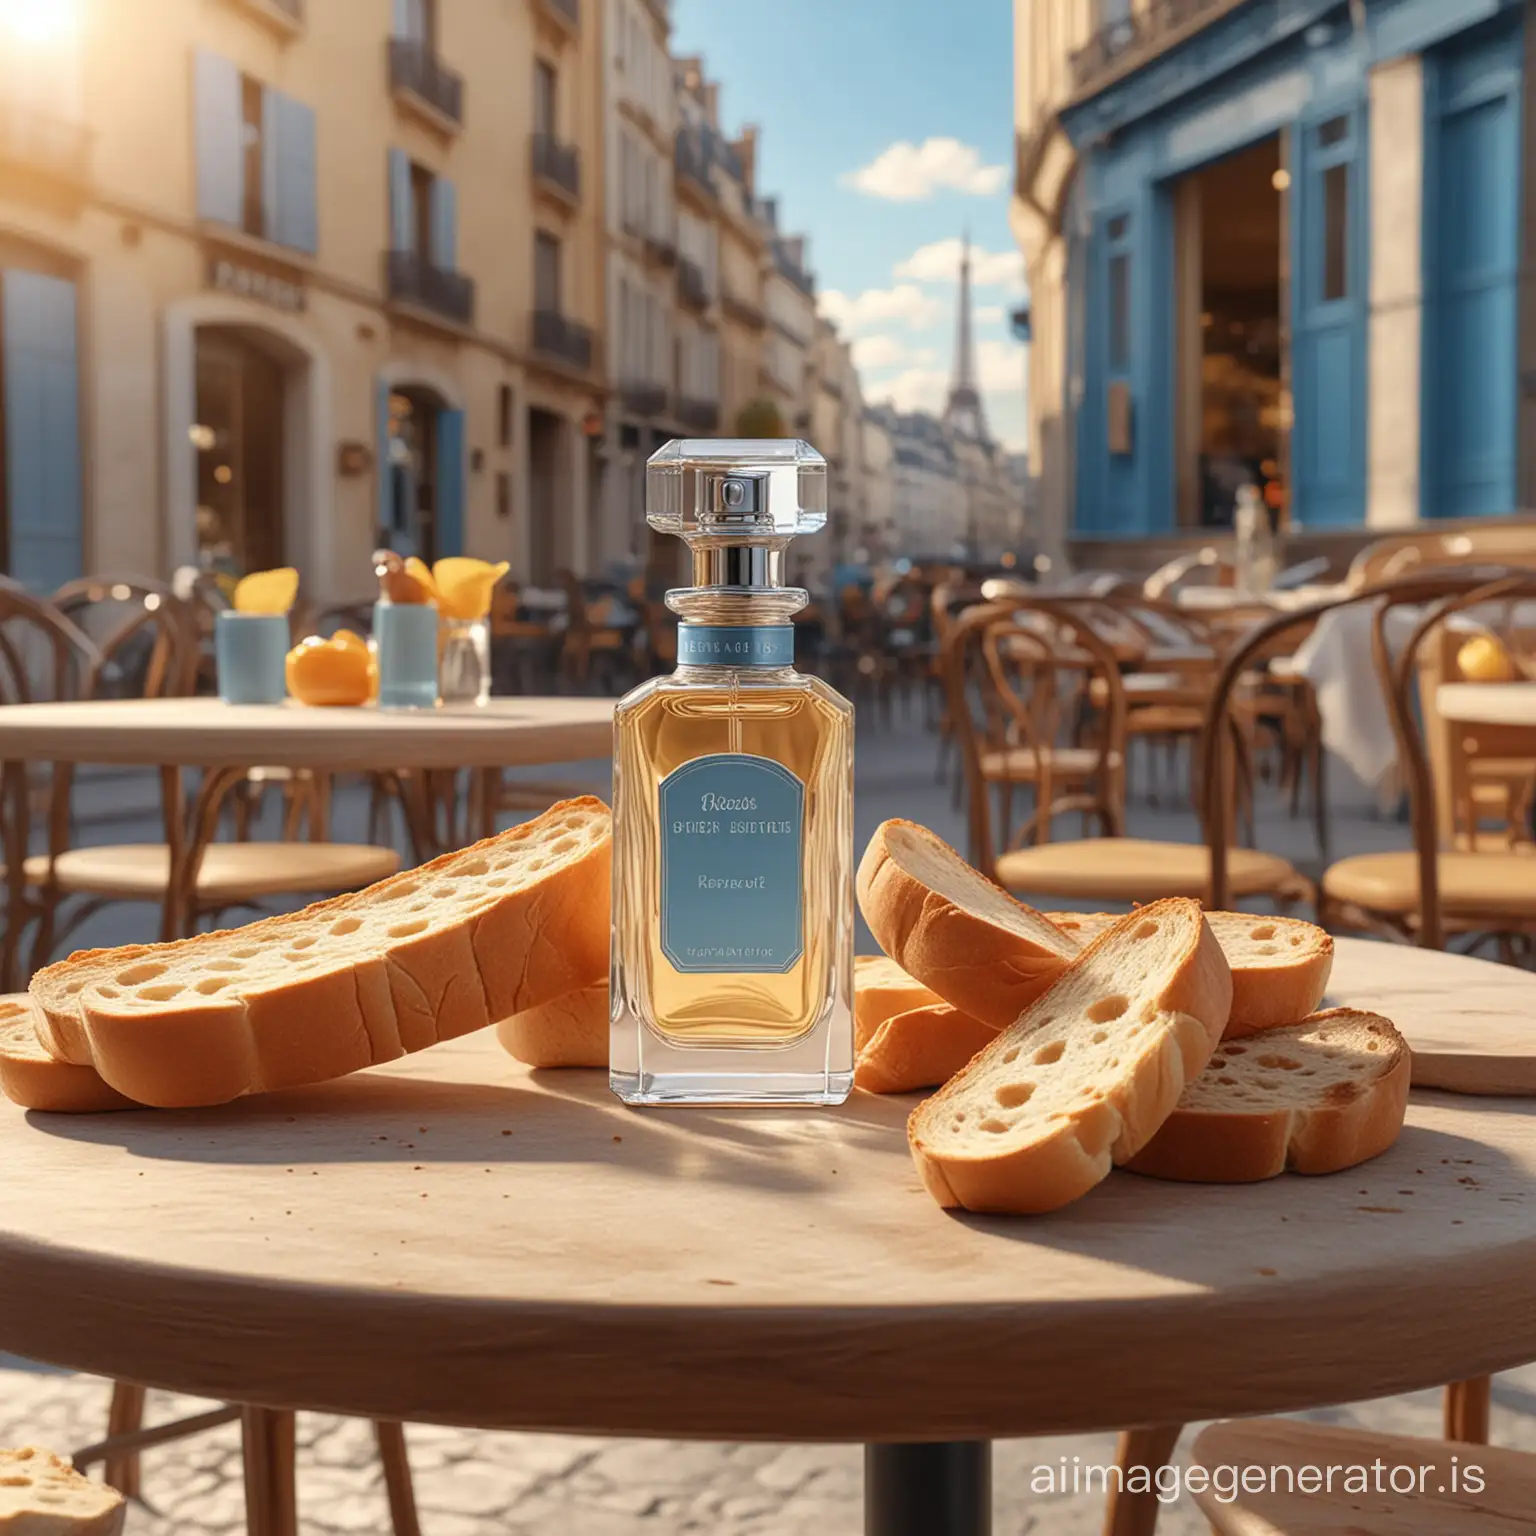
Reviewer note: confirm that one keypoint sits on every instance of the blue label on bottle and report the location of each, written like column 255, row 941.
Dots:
column 735, row 645
column 731, row 868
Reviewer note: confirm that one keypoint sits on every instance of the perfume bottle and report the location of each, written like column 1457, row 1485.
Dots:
column 732, row 976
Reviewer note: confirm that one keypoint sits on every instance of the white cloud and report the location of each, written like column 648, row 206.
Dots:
column 904, row 172
column 999, row 366
column 916, row 389
column 905, row 302
column 940, row 263
column 879, row 351
column 989, row 314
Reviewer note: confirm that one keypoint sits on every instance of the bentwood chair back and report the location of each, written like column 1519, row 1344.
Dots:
column 148, row 638
column 1504, row 541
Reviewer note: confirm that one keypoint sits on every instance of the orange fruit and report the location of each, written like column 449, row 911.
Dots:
column 338, row 671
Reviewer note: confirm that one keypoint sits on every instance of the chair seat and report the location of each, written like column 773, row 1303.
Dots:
column 229, row 871
column 1495, row 882
column 1020, row 765
column 1134, row 869
column 1171, row 719
column 1288, row 1504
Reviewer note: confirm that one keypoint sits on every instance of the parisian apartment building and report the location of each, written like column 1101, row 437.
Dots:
column 1274, row 243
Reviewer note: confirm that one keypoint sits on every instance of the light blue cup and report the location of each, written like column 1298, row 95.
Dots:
column 405, row 635
column 250, row 649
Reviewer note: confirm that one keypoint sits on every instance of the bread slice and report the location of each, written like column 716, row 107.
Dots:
column 32, row 1078
column 471, row 937
column 920, row 1048
column 1313, row 1097
column 881, row 990
column 1087, row 1075
column 570, row 1031
column 42, row 1495
column 1280, row 965
column 953, row 929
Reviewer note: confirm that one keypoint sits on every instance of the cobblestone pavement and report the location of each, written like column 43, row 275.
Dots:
column 474, row 1484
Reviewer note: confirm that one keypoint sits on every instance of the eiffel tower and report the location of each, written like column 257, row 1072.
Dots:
column 963, row 413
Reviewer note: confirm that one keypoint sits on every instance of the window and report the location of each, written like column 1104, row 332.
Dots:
column 423, row 213
column 504, row 416
column 546, row 271
column 416, row 20
column 1119, row 312
column 252, row 215
column 1335, row 233
column 544, row 83
column 421, row 209
column 503, row 494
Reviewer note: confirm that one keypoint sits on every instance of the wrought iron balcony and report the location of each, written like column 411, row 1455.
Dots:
column 643, row 399
column 564, row 340
column 1132, row 40
column 692, row 289
column 742, row 309
column 54, row 147
column 699, row 415
column 565, row 13
column 418, row 75
column 557, row 166
column 411, row 279
column 661, row 249
column 692, row 162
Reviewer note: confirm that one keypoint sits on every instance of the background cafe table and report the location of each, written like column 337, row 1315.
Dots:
column 176, row 734
column 454, row 1239
column 1497, row 704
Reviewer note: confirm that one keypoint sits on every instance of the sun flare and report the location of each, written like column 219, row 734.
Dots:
column 39, row 21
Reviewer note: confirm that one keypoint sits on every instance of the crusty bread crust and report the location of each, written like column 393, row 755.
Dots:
column 570, row 1031
column 921, row 1048
column 32, row 1078
column 1160, row 1049
column 43, row 1495
column 340, row 1003
column 985, row 969
column 1322, row 1131
column 881, row 990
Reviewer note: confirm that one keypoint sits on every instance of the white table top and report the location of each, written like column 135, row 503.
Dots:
column 207, row 733
column 1488, row 703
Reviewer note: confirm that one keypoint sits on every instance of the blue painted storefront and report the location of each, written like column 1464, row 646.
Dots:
column 1301, row 66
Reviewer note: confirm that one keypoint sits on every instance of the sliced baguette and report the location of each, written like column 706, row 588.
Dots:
column 471, row 937
column 881, row 990
column 1280, row 965
column 34, row 1079
column 1086, row 1076
column 569, row 1031
column 952, row 929
column 42, row 1495
column 1313, row 1097
column 920, row 1048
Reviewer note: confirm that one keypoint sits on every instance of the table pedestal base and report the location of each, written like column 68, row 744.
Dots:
column 928, row 1490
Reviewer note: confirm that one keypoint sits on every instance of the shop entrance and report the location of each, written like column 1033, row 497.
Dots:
column 1232, row 368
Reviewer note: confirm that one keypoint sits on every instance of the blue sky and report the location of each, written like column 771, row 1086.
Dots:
column 887, row 130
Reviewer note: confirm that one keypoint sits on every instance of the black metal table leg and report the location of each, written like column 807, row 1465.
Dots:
column 928, row 1490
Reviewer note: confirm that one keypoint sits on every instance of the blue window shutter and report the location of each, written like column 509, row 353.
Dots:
column 288, row 172
column 445, row 225
column 42, row 429
column 220, row 161
column 383, row 467
column 450, row 483
column 402, row 226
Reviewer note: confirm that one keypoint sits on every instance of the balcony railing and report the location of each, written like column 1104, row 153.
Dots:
column 416, row 71
column 411, row 279
column 691, row 286
column 562, row 339
column 643, row 399
column 55, row 147
column 557, row 165
column 693, row 164
column 700, row 415
column 742, row 309
column 661, row 249
column 567, row 13
column 1131, row 40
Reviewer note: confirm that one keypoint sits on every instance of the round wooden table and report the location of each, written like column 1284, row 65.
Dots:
column 453, row 1238
column 227, row 740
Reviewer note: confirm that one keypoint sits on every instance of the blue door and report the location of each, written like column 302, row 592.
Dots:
column 1328, row 280
column 1471, row 261
column 42, row 429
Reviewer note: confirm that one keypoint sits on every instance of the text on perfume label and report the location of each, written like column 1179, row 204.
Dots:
column 733, row 828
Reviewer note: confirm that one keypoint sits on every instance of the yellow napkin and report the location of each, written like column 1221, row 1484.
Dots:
column 464, row 586
column 267, row 591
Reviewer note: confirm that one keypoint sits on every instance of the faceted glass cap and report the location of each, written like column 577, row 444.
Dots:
column 734, row 488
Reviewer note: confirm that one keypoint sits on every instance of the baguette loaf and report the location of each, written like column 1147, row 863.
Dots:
column 1085, row 1077
column 32, row 1078
column 569, row 1031
column 471, row 937
column 881, row 990
column 920, row 1048
column 1280, row 965
column 42, row 1495
column 1315, row 1097
column 952, row 929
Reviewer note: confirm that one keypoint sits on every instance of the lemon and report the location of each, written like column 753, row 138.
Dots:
column 1484, row 660
column 465, row 586
column 267, row 591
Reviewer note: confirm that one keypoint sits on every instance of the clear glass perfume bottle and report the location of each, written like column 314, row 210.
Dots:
column 732, row 979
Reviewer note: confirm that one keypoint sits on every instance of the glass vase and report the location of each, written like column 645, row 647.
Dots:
column 464, row 667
